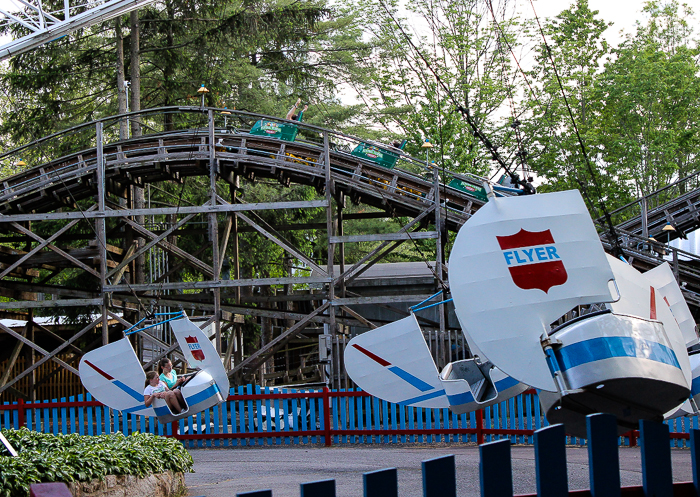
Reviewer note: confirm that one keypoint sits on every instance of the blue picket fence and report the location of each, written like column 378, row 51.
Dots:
column 254, row 416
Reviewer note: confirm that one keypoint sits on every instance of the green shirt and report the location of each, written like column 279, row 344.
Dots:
column 169, row 380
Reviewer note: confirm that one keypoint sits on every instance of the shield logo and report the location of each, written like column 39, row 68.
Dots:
column 195, row 348
column 532, row 260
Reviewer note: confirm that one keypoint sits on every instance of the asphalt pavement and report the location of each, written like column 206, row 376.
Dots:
column 225, row 472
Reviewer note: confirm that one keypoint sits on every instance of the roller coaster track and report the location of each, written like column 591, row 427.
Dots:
column 408, row 189
column 174, row 155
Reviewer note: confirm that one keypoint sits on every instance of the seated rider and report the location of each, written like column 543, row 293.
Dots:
column 156, row 389
column 527, row 187
column 169, row 376
column 291, row 115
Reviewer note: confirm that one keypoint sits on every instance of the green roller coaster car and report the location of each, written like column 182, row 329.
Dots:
column 381, row 156
column 478, row 192
column 274, row 129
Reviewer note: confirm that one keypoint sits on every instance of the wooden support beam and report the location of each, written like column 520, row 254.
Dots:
column 158, row 211
column 51, row 246
column 34, row 288
column 119, row 272
column 51, row 355
column 260, row 356
column 50, row 303
column 357, row 269
column 224, row 241
column 190, row 285
column 200, row 266
column 54, row 336
column 155, row 241
column 179, row 265
column 381, row 299
column 12, row 360
column 379, row 237
column 37, row 348
column 283, row 243
column 41, row 245
column 359, row 317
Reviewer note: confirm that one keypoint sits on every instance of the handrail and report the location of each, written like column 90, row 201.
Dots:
column 650, row 195
column 204, row 110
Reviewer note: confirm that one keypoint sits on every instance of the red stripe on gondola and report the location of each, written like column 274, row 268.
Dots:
column 371, row 355
column 110, row 378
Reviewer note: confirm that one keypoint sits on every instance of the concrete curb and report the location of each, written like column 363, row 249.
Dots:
column 168, row 484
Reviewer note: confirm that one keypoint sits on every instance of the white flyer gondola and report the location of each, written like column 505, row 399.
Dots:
column 114, row 375
column 517, row 267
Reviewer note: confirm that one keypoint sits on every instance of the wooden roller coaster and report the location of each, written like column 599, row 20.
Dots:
column 90, row 176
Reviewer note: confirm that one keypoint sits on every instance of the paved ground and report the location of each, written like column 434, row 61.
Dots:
column 227, row 471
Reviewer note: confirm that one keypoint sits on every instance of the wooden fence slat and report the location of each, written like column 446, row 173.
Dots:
column 550, row 461
column 360, row 418
column 381, row 483
column 695, row 458
column 321, row 488
column 256, row 493
column 495, row 471
column 439, row 478
column 345, row 404
column 603, row 457
column 657, row 478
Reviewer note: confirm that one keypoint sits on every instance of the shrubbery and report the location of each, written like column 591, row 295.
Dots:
column 45, row 458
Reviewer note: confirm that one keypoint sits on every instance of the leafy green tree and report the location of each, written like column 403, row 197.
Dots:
column 563, row 101
column 414, row 84
column 649, row 123
column 256, row 56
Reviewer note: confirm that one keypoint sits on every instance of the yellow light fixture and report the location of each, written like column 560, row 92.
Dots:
column 427, row 144
column 668, row 227
column 203, row 91
column 226, row 111
column 20, row 163
column 651, row 238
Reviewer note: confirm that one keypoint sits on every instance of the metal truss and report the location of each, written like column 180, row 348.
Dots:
column 46, row 26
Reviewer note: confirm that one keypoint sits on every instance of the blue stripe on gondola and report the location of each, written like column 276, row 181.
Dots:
column 129, row 390
column 597, row 349
column 409, row 378
column 191, row 401
column 422, row 398
column 695, row 386
column 467, row 397
column 203, row 395
column 162, row 411
column 133, row 409
column 460, row 399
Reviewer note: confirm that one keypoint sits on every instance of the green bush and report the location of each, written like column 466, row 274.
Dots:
column 45, row 458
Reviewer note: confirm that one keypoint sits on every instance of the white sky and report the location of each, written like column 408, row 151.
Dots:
column 623, row 13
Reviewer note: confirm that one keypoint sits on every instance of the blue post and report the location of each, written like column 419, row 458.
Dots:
column 256, row 493
column 603, row 458
column 321, row 488
column 381, row 483
column 439, row 477
column 550, row 461
column 657, row 478
column 695, row 458
column 495, row 471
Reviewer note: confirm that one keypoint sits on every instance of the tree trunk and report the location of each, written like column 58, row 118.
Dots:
column 135, row 68
column 169, row 67
column 121, row 91
column 135, row 73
